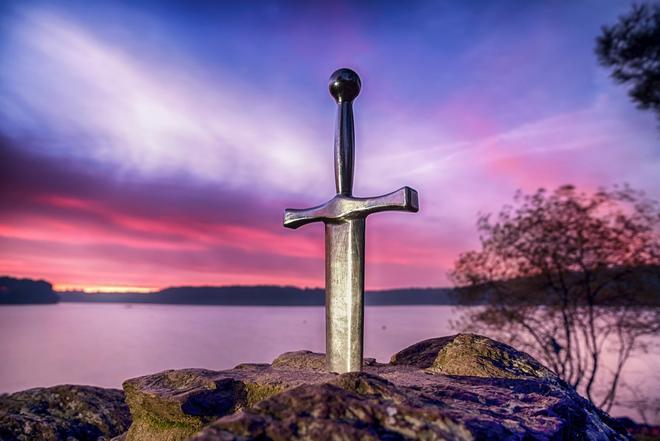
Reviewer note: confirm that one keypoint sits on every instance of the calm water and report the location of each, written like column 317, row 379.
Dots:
column 106, row 344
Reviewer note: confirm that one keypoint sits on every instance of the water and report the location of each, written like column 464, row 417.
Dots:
column 45, row 345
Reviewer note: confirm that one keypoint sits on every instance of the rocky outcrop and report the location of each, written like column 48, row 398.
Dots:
column 173, row 405
column 463, row 387
column 356, row 406
column 63, row 413
column 472, row 355
column 306, row 360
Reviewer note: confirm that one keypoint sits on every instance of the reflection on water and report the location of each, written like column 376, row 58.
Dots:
column 106, row 344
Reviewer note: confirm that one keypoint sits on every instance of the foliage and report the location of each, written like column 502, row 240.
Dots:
column 632, row 49
column 570, row 278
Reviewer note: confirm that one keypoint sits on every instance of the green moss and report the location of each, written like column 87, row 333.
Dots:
column 160, row 420
column 257, row 392
column 149, row 428
column 473, row 355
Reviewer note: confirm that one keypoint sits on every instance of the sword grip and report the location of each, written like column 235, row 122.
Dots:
column 344, row 87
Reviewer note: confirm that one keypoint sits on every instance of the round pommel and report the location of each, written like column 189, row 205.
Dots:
column 344, row 85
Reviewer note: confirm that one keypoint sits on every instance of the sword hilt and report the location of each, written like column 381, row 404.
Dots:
column 344, row 87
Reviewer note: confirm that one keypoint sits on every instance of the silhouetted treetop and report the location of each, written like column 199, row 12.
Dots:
column 631, row 48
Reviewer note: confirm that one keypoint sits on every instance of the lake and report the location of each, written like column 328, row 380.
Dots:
column 104, row 344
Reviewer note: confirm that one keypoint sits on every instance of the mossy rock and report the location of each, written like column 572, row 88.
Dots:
column 361, row 410
column 471, row 355
column 300, row 360
column 459, row 388
column 173, row 405
column 62, row 413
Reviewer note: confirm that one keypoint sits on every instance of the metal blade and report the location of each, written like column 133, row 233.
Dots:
column 344, row 295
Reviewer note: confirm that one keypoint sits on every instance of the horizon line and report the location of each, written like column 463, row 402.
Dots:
column 128, row 289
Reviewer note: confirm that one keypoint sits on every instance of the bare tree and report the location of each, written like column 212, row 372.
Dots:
column 570, row 278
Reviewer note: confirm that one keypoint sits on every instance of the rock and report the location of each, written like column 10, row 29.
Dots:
column 490, row 391
column 463, row 387
column 173, row 405
column 374, row 410
column 363, row 406
column 63, row 413
column 471, row 355
column 300, row 360
column 306, row 360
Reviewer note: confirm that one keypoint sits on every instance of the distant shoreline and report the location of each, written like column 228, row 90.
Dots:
column 262, row 296
column 15, row 291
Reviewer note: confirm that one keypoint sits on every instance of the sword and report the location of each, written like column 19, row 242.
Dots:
column 344, row 217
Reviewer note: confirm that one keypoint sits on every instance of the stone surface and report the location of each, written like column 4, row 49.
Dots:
column 471, row 355
column 421, row 406
column 306, row 360
column 462, row 387
column 63, row 413
column 172, row 405
column 356, row 406
column 300, row 360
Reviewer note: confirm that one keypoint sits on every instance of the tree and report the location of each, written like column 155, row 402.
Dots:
column 632, row 49
column 571, row 278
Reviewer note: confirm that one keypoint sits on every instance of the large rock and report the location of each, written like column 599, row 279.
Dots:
column 454, row 388
column 471, row 355
column 356, row 406
column 63, row 413
column 172, row 405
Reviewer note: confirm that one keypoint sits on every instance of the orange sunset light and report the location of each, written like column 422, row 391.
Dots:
column 95, row 289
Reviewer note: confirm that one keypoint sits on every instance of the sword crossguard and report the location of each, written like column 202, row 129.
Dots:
column 342, row 208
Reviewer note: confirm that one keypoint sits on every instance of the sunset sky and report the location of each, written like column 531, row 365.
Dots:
column 149, row 144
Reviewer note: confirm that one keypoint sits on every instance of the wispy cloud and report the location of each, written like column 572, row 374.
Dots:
column 143, row 117
column 170, row 160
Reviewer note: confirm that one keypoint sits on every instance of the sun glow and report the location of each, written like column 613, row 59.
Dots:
column 96, row 289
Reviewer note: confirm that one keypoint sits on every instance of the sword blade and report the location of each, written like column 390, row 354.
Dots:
column 344, row 295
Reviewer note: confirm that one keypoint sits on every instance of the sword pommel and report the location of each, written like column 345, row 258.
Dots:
column 344, row 85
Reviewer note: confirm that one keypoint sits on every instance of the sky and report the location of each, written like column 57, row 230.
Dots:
column 154, row 144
